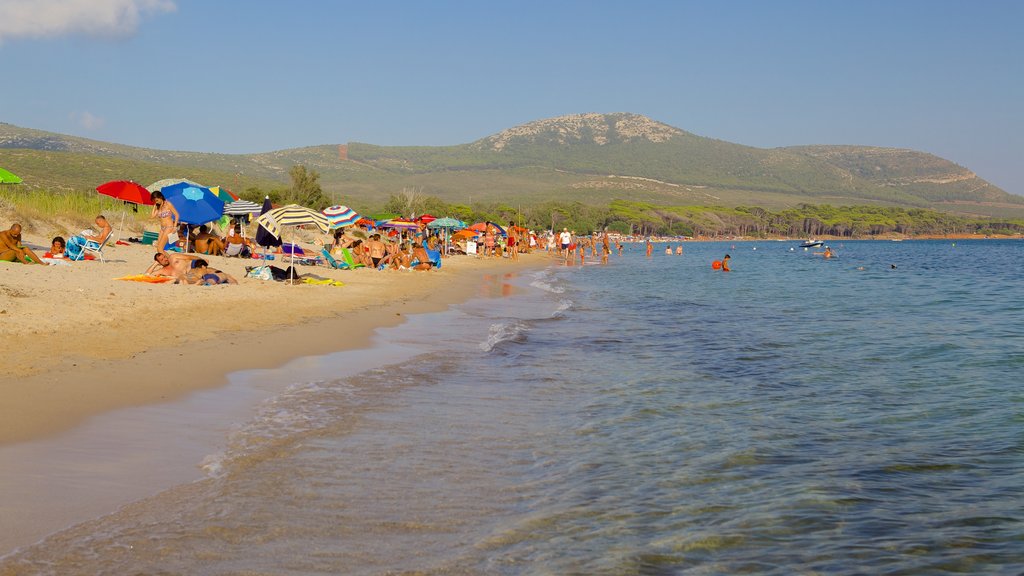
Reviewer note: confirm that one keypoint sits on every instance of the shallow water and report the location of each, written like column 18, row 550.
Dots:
column 651, row 416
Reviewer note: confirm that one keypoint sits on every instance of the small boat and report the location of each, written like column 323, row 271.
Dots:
column 811, row 244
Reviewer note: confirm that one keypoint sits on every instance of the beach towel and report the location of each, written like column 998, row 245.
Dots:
column 146, row 278
column 322, row 282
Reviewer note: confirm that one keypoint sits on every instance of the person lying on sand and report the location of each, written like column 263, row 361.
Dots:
column 171, row 264
column 11, row 248
column 203, row 275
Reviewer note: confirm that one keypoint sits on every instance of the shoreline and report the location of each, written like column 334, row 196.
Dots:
column 80, row 344
column 95, row 432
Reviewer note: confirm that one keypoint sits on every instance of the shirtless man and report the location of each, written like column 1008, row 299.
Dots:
column 206, row 243
column 12, row 249
column 376, row 250
column 171, row 264
column 422, row 259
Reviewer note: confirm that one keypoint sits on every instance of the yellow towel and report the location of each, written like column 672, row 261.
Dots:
column 146, row 278
column 324, row 282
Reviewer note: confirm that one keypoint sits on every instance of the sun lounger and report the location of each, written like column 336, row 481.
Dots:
column 347, row 263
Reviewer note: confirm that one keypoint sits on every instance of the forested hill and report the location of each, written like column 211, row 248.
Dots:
column 591, row 158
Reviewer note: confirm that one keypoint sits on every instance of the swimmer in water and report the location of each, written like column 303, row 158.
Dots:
column 725, row 263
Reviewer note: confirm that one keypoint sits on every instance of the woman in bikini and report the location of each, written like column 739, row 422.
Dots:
column 168, row 216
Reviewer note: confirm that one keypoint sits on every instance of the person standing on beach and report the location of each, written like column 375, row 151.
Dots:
column 12, row 249
column 564, row 239
column 513, row 242
column 167, row 214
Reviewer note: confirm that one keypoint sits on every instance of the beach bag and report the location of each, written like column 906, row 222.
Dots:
column 260, row 273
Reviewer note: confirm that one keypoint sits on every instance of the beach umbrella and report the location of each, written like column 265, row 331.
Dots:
column 195, row 204
column 8, row 178
column 241, row 208
column 224, row 194
column 465, row 234
column 340, row 216
column 292, row 215
column 127, row 191
column 160, row 184
column 263, row 236
column 448, row 223
column 399, row 223
column 426, row 218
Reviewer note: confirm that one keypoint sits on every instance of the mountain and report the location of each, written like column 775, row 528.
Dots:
column 591, row 158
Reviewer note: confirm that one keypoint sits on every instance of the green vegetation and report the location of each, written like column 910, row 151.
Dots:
column 559, row 170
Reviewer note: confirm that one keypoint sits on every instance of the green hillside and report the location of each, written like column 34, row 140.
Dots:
column 589, row 158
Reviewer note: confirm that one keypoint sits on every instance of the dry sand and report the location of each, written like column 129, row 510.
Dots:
column 79, row 343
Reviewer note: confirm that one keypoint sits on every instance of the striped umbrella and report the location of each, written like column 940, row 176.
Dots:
column 341, row 216
column 241, row 208
column 160, row 184
column 292, row 215
column 399, row 223
column 227, row 196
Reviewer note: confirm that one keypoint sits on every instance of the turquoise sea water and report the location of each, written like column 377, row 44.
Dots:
column 651, row 416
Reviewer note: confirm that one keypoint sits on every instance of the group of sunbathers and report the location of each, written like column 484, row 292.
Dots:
column 374, row 252
column 13, row 250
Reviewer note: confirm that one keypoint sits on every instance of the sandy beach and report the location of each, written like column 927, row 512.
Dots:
column 79, row 342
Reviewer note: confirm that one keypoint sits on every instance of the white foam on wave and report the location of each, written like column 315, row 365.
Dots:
column 511, row 331
column 563, row 306
column 300, row 409
column 545, row 281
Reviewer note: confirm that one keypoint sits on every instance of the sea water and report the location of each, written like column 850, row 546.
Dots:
column 797, row 415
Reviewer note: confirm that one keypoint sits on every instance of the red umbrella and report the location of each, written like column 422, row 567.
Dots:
column 426, row 219
column 127, row 191
column 479, row 227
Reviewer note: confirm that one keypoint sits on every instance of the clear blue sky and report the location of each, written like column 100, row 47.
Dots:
column 945, row 77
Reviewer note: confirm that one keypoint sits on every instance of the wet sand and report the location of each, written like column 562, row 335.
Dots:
column 83, row 349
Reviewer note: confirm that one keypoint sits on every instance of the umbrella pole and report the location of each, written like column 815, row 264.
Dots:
column 291, row 269
column 120, row 228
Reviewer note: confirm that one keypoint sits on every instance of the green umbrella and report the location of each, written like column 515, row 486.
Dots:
column 8, row 178
column 447, row 223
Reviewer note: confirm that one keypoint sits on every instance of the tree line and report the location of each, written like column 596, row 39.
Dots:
column 644, row 219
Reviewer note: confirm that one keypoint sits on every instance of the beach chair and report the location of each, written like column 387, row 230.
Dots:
column 348, row 262
column 90, row 247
